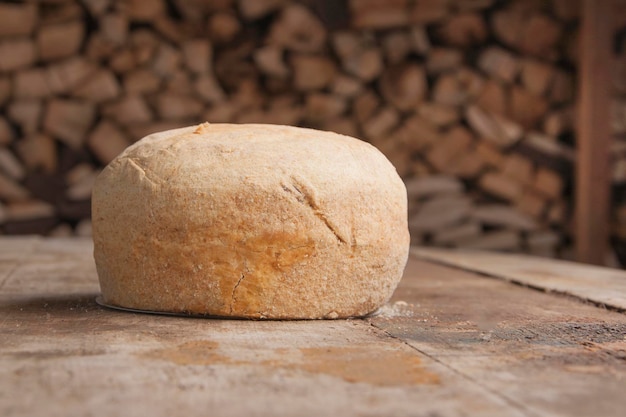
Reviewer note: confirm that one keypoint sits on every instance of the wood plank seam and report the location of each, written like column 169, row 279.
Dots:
column 523, row 284
column 511, row 402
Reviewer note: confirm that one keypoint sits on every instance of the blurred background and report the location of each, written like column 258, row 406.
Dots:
column 473, row 101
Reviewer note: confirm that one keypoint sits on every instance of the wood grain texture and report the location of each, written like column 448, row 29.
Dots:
column 599, row 285
column 451, row 343
column 545, row 355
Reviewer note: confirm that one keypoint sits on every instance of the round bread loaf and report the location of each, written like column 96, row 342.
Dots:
column 256, row 221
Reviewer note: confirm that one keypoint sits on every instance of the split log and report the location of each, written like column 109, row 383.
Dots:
column 346, row 86
column 83, row 228
column 166, row 61
column 10, row 166
column 456, row 235
column 321, row 106
column 28, row 210
column 518, row 168
column 145, row 10
column 443, row 59
column 298, row 29
column 532, row 204
column 469, row 166
column 376, row 14
column 549, row 183
column 173, row 30
column 439, row 114
column 403, row 86
column 490, row 155
column 100, row 86
column 536, row 76
column 508, row 26
column 16, row 53
column 494, row 98
column 197, row 54
column 497, row 130
column 17, row 19
column 449, row 90
column 65, row 75
column 559, row 122
column 499, row 215
column 417, row 134
column 439, row 213
column 223, row 27
column 141, row 81
column 499, row 63
column 364, row 106
column 177, row 106
column 179, row 83
column 270, row 61
column 540, row 37
column 107, row 141
column 381, row 123
column 114, row 28
column 557, row 213
column 209, row 90
column 131, row 109
column 26, row 114
column 420, row 188
column 81, row 190
column 501, row 186
column 397, row 46
column 11, row 190
column 312, row 72
column 69, row 120
column 463, row 30
column 549, row 147
column 38, row 152
column 429, row 11
column 63, row 230
column 60, row 12
column 525, row 108
column 366, row 65
column 31, row 83
column 79, row 173
column 452, row 147
column 99, row 48
column 60, row 41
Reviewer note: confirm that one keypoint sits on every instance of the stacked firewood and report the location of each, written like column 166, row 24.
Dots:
column 472, row 100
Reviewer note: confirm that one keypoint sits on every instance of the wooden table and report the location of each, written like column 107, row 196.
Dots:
column 485, row 335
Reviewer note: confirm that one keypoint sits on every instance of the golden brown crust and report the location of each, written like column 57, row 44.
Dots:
column 255, row 221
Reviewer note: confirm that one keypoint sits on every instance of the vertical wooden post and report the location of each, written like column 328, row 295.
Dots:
column 592, row 172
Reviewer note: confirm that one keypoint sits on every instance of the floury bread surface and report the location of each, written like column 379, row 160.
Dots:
column 257, row 221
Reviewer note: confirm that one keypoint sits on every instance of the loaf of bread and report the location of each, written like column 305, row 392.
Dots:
column 253, row 221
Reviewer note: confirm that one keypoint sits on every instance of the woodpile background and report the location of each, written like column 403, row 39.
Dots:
column 472, row 100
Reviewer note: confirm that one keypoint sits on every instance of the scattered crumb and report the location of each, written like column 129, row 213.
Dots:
column 397, row 309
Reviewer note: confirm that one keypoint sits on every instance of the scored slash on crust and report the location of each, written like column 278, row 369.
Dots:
column 304, row 195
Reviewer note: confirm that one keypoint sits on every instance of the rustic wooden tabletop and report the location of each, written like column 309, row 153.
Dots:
column 483, row 334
